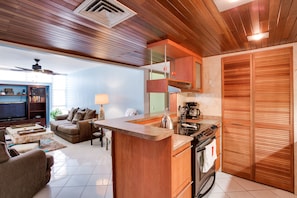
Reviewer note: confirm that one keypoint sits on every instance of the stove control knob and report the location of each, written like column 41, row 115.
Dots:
column 213, row 127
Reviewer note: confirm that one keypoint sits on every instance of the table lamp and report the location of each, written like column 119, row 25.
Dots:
column 101, row 99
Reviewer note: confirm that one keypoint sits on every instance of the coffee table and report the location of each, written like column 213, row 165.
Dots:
column 28, row 134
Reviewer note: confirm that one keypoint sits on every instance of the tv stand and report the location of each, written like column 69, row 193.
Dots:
column 12, row 119
column 35, row 97
column 7, row 123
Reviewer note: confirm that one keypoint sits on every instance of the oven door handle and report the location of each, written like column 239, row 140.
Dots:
column 200, row 150
column 203, row 194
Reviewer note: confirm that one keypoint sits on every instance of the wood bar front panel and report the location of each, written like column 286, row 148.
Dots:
column 141, row 168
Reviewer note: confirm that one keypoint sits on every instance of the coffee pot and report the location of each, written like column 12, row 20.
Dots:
column 192, row 110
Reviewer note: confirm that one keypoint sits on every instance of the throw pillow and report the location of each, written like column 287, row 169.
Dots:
column 4, row 155
column 13, row 152
column 90, row 114
column 79, row 115
column 72, row 113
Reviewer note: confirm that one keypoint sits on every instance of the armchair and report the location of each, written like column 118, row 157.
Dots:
column 23, row 175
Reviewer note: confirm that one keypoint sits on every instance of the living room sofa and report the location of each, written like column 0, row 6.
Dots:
column 23, row 175
column 75, row 126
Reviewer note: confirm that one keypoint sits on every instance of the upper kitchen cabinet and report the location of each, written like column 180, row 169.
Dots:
column 185, row 68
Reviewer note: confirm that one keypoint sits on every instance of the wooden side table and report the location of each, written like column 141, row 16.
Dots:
column 96, row 132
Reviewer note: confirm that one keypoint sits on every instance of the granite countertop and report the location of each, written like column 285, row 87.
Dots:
column 180, row 140
column 146, row 126
column 130, row 126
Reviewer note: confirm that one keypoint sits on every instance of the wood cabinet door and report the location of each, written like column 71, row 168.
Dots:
column 273, row 118
column 236, row 114
column 197, row 74
column 188, row 69
column 183, row 69
column 181, row 171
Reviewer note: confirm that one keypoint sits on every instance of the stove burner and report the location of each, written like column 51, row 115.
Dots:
column 189, row 128
column 198, row 131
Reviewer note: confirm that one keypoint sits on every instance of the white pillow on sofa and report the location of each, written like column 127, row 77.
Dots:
column 130, row 112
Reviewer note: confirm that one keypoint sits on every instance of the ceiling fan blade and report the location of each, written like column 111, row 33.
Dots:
column 54, row 73
column 50, row 72
column 24, row 69
column 46, row 71
column 9, row 69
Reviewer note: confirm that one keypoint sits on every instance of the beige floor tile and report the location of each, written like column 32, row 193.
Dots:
column 84, row 171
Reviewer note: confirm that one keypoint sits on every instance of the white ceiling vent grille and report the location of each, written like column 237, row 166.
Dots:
column 224, row 5
column 104, row 12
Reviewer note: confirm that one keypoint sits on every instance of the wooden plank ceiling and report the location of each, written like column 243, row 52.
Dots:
column 195, row 24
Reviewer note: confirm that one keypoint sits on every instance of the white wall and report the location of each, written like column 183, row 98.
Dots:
column 125, row 87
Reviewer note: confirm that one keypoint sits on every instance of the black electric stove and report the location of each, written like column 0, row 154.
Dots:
column 203, row 134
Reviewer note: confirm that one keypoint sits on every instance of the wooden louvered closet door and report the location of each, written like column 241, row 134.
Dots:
column 236, row 136
column 257, row 112
column 273, row 118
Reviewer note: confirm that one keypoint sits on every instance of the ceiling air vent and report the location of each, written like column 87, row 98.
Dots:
column 104, row 12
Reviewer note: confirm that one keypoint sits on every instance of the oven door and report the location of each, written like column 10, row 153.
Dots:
column 204, row 180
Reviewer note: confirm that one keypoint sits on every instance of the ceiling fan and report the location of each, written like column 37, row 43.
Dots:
column 37, row 68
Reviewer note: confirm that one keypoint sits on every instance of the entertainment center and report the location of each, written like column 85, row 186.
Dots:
column 22, row 104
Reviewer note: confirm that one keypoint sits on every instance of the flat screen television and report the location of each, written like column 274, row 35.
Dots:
column 13, row 110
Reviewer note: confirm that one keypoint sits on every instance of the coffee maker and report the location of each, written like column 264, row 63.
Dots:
column 192, row 110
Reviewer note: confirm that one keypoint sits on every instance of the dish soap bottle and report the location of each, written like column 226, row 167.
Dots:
column 166, row 120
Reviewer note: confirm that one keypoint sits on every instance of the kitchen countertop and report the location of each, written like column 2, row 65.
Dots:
column 131, row 126
column 144, row 126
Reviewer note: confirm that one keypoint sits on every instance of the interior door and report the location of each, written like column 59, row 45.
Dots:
column 236, row 114
column 273, row 118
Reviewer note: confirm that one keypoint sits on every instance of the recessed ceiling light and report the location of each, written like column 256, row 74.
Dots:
column 223, row 5
column 257, row 37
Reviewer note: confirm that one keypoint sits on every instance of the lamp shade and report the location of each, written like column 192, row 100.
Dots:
column 101, row 99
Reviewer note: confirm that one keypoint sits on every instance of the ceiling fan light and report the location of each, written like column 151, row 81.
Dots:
column 257, row 37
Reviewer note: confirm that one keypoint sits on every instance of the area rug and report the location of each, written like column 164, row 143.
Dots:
column 48, row 145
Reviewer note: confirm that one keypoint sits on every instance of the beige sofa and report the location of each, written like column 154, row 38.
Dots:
column 75, row 126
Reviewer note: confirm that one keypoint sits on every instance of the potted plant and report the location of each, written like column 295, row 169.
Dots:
column 55, row 112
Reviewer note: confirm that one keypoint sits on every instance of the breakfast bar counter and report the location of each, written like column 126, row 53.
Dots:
column 147, row 160
column 138, row 126
column 144, row 126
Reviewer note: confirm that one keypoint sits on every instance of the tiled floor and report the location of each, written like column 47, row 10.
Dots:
column 80, row 171
column 84, row 171
column 228, row 186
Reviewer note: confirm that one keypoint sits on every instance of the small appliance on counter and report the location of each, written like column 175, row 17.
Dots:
column 192, row 110
column 166, row 121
